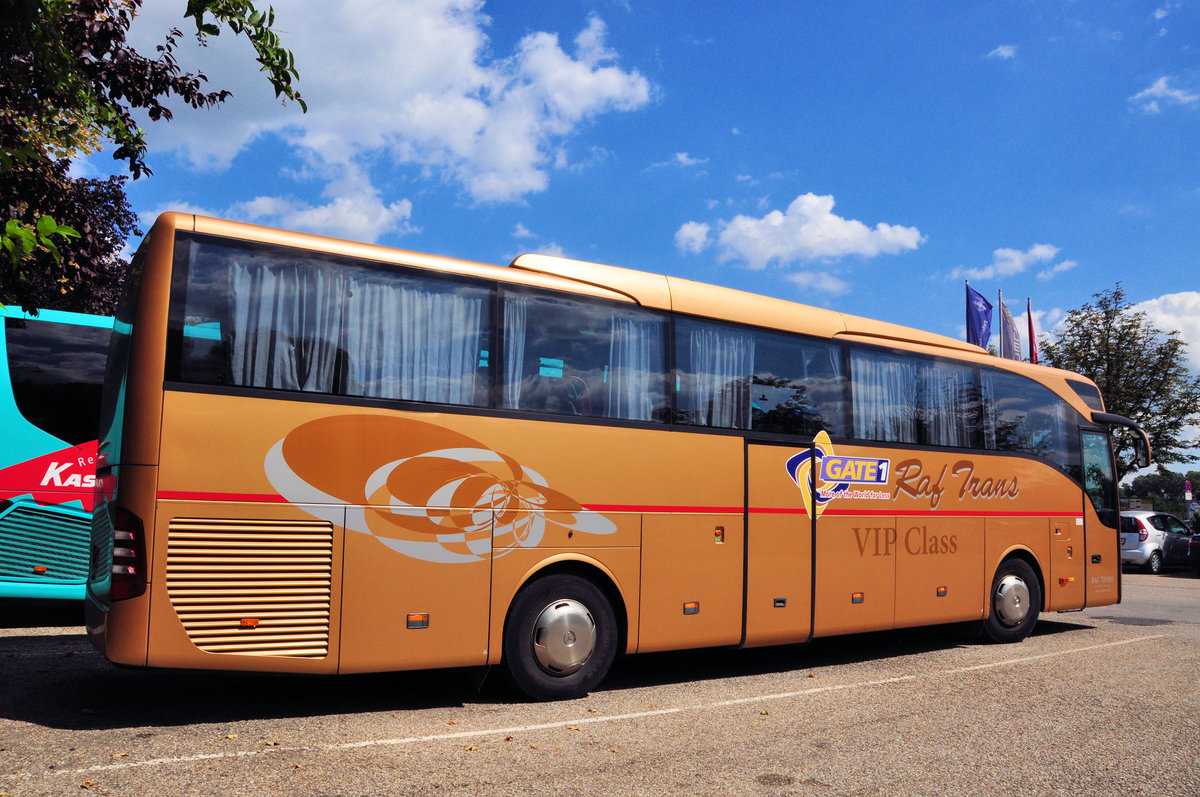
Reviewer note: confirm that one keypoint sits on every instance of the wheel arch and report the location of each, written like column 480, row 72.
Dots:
column 1028, row 556
column 586, row 568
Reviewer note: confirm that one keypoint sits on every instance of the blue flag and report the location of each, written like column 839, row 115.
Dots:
column 979, row 318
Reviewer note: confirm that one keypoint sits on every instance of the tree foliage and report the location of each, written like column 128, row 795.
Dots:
column 1141, row 370
column 1165, row 489
column 69, row 84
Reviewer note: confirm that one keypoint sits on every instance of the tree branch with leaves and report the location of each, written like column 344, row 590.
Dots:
column 70, row 84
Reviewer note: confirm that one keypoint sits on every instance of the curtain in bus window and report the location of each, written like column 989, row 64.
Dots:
column 516, row 310
column 885, row 392
column 635, row 367
column 950, row 404
column 721, row 364
column 286, row 321
column 409, row 341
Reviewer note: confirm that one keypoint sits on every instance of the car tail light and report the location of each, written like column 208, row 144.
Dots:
column 129, row 556
column 1143, row 532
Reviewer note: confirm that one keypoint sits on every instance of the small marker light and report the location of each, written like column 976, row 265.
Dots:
column 942, row 592
column 719, row 534
column 1062, row 582
column 691, row 607
column 249, row 622
column 858, row 597
column 40, row 569
column 418, row 620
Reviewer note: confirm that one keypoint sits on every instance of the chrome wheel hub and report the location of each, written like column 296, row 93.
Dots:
column 564, row 635
column 1011, row 601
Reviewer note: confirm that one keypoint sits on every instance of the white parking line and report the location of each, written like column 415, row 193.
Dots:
column 517, row 729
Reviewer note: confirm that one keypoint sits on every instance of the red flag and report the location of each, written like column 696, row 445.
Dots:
column 1032, row 339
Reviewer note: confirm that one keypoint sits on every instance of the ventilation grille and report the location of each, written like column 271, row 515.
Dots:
column 36, row 536
column 252, row 588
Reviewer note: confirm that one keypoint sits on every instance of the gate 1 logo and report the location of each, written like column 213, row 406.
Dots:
column 822, row 472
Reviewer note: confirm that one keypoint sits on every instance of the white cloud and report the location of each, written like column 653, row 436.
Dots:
column 411, row 80
column 683, row 159
column 1056, row 269
column 1161, row 90
column 819, row 281
column 521, row 231
column 692, row 237
column 1177, row 312
column 1004, row 52
column 1006, row 262
column 808, row 230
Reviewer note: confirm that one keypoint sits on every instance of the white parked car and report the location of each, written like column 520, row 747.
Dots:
column 1153, row 540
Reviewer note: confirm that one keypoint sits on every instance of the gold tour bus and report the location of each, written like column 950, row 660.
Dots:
column 320, row 456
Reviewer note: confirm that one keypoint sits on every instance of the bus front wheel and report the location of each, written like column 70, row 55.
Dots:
column 1016, row 598
column 560, row 637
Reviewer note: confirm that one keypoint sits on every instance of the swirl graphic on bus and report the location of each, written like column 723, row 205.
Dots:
column 420, row 489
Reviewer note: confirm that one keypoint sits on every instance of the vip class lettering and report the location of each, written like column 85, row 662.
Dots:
column 917, row 541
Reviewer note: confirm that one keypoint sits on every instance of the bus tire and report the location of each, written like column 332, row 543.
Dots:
column 560, row 637
column 1016, row 599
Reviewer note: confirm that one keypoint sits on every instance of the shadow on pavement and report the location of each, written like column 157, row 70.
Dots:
column 58, row 681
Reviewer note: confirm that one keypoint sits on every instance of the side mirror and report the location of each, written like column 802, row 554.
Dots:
column 1141, row 447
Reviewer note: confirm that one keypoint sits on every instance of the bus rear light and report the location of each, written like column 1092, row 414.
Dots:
column 39, row 569
column 129, row 556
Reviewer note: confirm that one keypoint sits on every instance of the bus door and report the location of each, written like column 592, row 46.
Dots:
column 1102, row 521
column 778, row 548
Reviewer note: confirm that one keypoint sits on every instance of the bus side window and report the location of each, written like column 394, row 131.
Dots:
column 569, row 356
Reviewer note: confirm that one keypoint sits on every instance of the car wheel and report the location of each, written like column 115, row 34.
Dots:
column 560, row 637
column 1016, row 599
column 1154, row 563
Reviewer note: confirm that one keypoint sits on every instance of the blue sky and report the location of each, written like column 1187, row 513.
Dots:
column 866, row 157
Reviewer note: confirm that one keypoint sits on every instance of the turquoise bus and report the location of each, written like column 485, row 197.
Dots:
column 51, row 374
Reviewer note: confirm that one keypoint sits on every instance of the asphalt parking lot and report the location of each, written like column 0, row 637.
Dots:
column 1106, row 701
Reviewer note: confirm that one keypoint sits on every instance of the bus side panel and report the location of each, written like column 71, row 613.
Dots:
column 245, row 586
column 1006, row 535
column 691, row 581
column 856, row 574
column 401, row 613
column 778, row 553
column 1067, row 564
column 939, row 570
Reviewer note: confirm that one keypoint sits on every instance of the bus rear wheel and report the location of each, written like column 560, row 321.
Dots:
column 1016, row 599
column 560, row 637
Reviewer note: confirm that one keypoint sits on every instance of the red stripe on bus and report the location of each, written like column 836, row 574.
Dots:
column 272, row 498
column 261, row 498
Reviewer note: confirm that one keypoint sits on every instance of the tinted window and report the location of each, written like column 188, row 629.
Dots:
column 1021, row 415
column 742, row 378
column 57, row 373
column 290, row 320
column 572, row 356
column 1089, row 393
